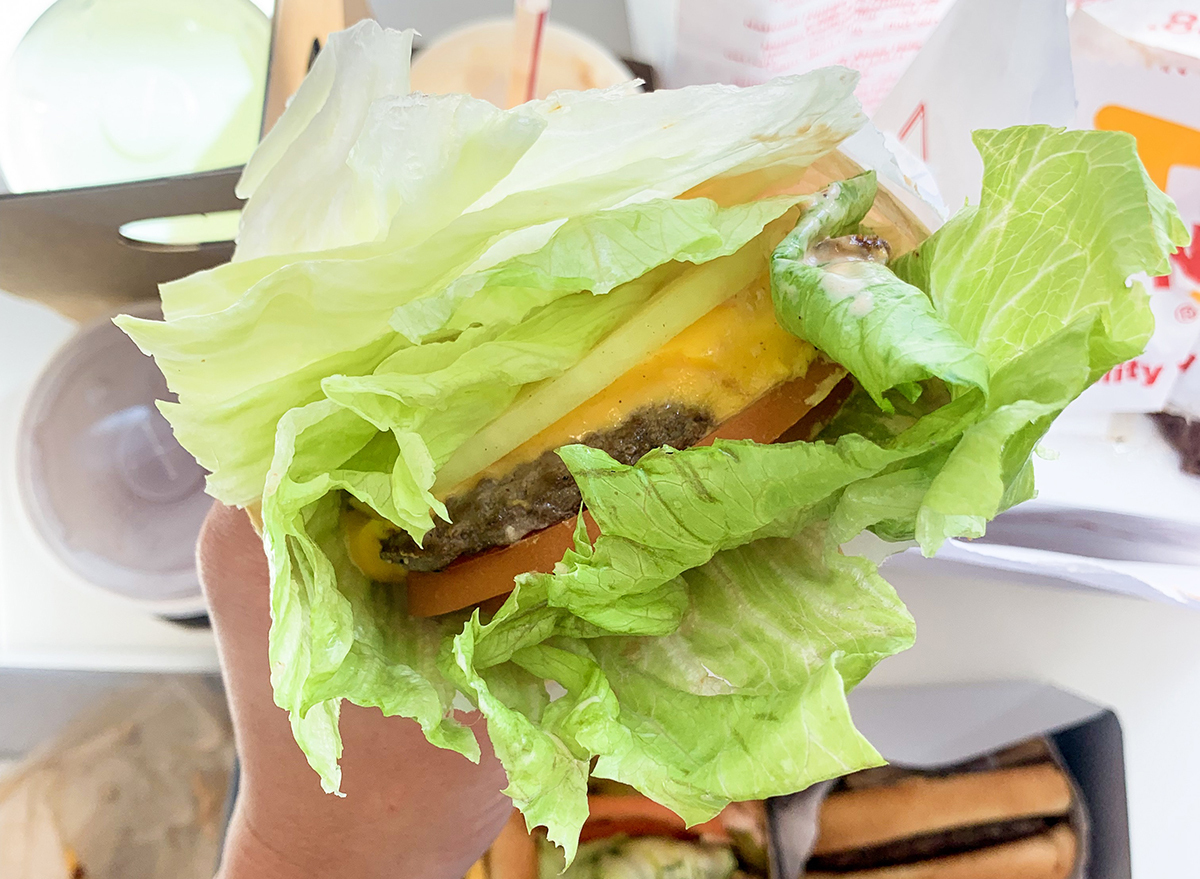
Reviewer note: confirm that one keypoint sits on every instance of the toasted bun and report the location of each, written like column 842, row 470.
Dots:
column 1049, row 855
column 917, row 805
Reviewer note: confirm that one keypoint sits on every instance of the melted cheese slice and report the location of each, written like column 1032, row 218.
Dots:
column 722, row 363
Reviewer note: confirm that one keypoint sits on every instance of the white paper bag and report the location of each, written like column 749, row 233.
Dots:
column 1137, row 69
column 932, row 70
column 750, row 41
column 989, row 64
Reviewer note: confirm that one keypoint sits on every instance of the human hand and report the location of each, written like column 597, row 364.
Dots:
column 411, row 810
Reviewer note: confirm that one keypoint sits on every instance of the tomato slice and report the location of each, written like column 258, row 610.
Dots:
column 637, row 815
column 478, row 578
column 768, row 417
column 483, row 578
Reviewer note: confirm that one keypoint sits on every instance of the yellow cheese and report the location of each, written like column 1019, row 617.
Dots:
column 723, row 363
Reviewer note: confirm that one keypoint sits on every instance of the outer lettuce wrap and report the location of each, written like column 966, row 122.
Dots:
column 411, row 267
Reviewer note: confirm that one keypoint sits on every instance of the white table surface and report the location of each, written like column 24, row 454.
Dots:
column 1140, row 658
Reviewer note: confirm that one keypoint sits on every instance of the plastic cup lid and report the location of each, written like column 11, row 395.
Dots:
column 474, row 59
column 102, row 478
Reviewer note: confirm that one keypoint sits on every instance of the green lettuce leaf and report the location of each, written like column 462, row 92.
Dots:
column 596, row 252
column 420, row 190
column 1035, row 279
column 946, row 453
column 675, row 510
column 1056, row 216
column 884, row 331
column 305, row 370
column 309, row 196
column 743, row 698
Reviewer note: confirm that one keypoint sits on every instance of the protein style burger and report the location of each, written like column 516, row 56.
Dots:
column 570, row 413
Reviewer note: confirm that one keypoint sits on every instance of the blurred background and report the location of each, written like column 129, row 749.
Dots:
column 123, row 124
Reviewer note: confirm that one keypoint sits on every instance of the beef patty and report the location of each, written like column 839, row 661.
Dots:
column 541, row 492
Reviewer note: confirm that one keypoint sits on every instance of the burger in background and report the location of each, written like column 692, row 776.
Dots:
column 629, row 836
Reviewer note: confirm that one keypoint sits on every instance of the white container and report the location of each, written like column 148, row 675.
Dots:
column 474, row 60
column 108, row 489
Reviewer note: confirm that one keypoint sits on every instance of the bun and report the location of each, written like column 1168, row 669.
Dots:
column 917, row 805
column 1049, row 855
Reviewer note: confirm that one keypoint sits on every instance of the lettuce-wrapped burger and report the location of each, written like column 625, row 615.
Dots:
column 567, row 410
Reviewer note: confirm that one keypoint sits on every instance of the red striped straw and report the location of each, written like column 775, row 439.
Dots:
column 529, row 21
